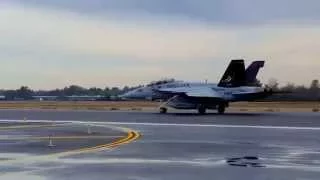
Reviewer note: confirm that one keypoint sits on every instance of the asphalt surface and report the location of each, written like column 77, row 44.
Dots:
column 172, row 146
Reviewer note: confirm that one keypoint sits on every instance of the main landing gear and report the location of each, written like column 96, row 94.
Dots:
column 201, row 109
column 221, row 108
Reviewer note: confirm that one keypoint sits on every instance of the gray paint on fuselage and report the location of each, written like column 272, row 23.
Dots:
column 227, row 95
column 150, row 91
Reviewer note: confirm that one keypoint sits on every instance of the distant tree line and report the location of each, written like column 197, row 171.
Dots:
column 287, row 92
column 294, row 92
column 25, row 93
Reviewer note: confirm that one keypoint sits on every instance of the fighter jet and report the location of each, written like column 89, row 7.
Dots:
column 237, row 84
column 150, row 91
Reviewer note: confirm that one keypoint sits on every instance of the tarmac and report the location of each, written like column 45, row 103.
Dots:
column 52, row 144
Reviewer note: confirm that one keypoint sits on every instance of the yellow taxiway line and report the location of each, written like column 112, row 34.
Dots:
column 57, row 138
column 130, row 137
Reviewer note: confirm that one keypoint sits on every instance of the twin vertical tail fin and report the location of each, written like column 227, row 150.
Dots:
column 252, row 72
column 236, row 75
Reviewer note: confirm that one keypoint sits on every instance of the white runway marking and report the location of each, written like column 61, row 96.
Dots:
column 172, row 124
column 142, row 161
column 216, row 125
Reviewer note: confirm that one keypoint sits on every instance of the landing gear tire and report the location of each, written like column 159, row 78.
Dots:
column 221, row 109
column 163, row 110
column 201, row 109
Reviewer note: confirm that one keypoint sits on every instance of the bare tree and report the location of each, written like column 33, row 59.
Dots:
column 273, row 84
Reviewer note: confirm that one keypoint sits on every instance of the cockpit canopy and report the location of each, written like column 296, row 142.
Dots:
column 160, row 82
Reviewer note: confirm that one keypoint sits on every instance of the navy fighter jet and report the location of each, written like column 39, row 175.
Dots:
column 237, row 84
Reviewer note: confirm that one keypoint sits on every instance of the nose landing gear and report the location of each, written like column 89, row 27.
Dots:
column 163, row 110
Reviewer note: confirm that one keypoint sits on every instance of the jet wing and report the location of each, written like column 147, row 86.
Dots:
column 203, row 92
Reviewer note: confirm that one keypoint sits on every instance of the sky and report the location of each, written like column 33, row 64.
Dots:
column 48, row 44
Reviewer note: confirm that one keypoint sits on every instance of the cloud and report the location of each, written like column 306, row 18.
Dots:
column 55, row 31
column 47, row 48
column 213, row 11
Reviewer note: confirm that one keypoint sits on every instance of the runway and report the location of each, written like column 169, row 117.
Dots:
column 172, row 146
